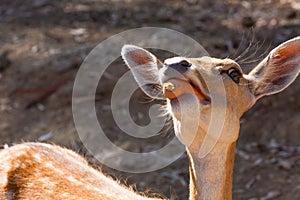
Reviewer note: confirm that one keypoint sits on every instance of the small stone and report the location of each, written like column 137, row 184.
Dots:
column 78, row 31
column 41, row 107
column 271, row 195
column 46, row 137
column 284, row 164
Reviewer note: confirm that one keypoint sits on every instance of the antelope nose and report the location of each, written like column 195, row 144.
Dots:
column 181, row 66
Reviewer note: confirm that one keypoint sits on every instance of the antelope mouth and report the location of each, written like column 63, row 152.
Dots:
column 199, row 91
column 176, row 88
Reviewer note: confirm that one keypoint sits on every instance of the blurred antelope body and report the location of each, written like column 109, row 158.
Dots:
column 42, row 171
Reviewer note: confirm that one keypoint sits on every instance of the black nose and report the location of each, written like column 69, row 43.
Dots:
column 181, row 66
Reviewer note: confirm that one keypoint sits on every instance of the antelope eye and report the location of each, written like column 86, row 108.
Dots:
column 185, row 63
column 234, row 74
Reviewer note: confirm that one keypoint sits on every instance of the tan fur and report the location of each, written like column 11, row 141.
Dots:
column 34, row 171
column 211, row 175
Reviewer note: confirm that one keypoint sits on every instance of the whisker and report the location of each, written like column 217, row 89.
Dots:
column 146, row 99
column 259, row 58
column 168, row 128
column 252, row 54
column 246, row 50
column 187, row 54
column 240, row 46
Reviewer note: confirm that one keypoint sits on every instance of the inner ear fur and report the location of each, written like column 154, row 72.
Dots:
column 278, row 70
column 144, row 67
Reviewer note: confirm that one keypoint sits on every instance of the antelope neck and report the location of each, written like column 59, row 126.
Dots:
column 211, row 176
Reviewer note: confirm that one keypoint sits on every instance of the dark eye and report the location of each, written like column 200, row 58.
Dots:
column 234, row 74
column 185, row 63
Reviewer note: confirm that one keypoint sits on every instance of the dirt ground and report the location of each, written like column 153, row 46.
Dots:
column 43, row 42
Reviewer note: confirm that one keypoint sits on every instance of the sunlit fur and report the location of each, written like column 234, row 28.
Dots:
column 38, row 171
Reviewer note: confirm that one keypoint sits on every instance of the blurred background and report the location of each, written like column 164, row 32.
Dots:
column 43, row 43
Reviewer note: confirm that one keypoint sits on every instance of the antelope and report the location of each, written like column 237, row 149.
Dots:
column 44, row 171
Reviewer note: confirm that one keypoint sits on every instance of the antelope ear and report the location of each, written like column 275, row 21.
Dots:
column 277, row 71
column 144, row 67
